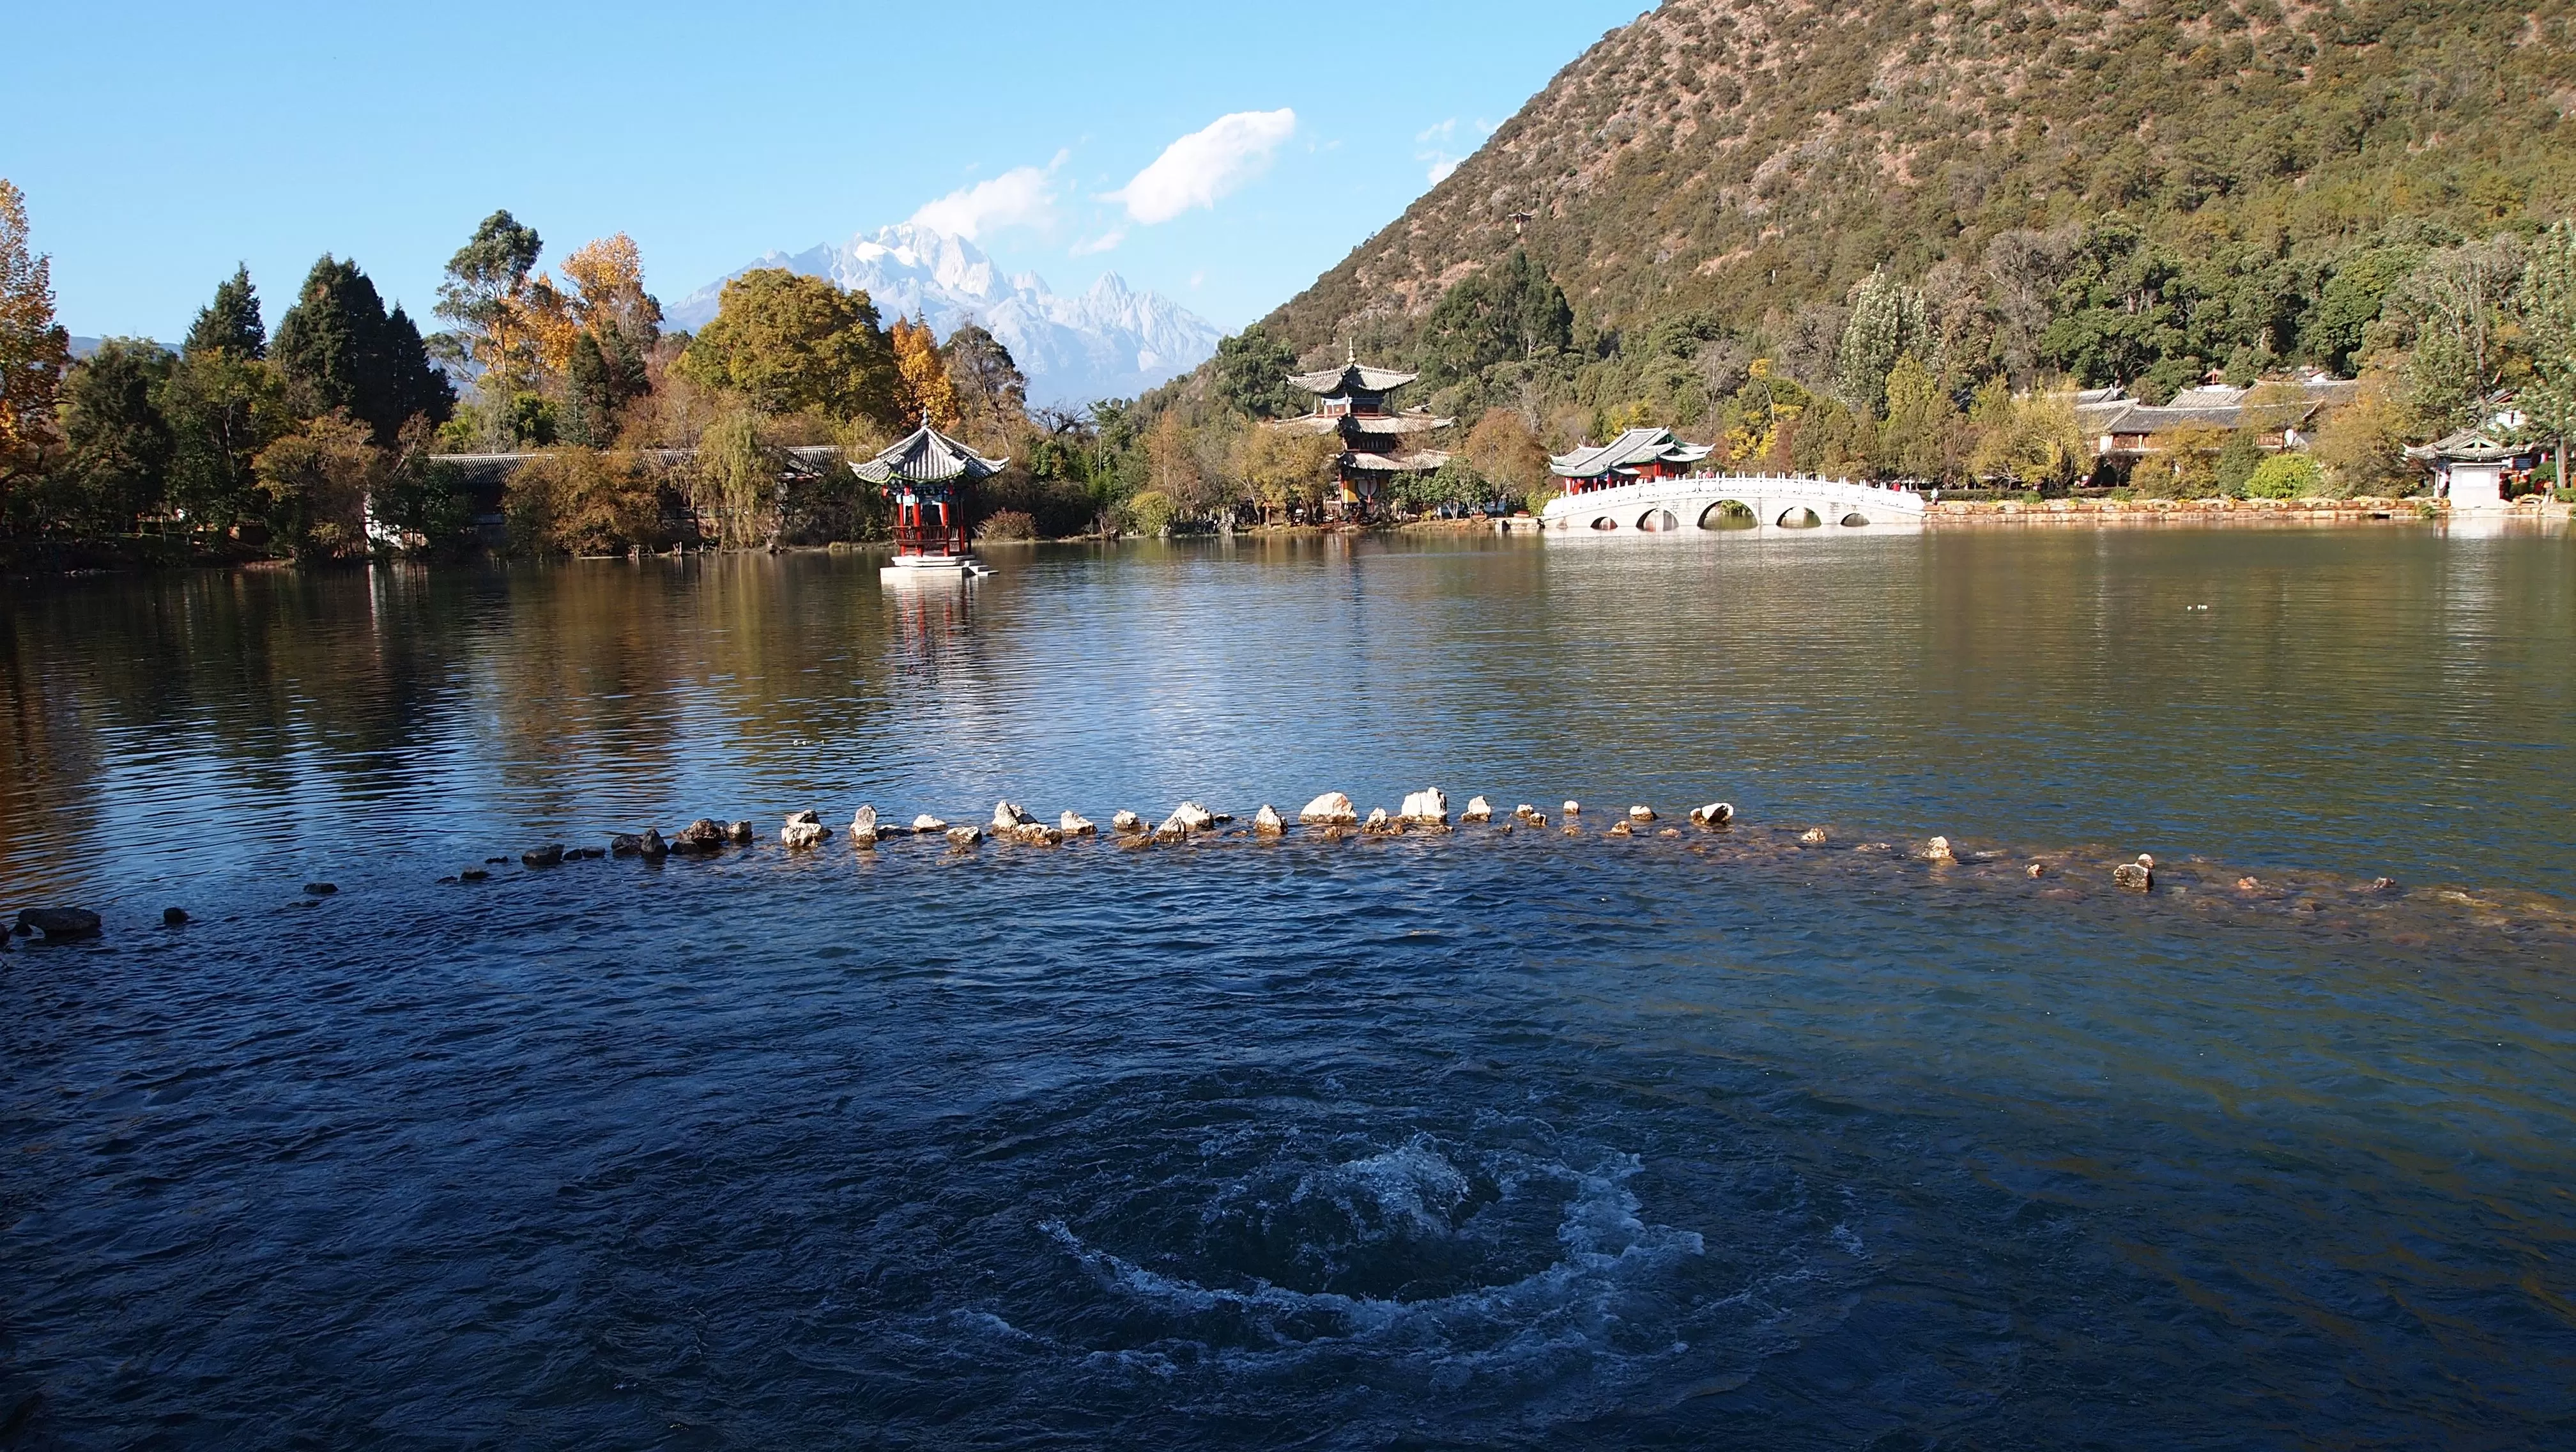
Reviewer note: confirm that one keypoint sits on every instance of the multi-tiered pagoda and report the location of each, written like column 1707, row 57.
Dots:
column 1377, row 442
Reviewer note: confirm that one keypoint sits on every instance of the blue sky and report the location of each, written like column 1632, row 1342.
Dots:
column 1224, row 155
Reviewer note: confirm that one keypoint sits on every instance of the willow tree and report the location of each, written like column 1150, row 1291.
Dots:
column 737, row 481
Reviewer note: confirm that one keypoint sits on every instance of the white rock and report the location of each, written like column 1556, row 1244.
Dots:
column 1267, row 821
column 1715, row 814
column 966, row 836
column 1641, row 814
column 1076, row 826
column 863, row 827
column 1332, row 809
column 1427, row 805
column 2138, row 876
column 803, row 829
column 1573, row 808
column 1478, row 810
column 1524, row 810
column 1537, row 819
column 1377, row 821
column 1188, row 817
column 928, row 823
column 1126, row 822
column 1812, row 836
column 1007, row 815
column 1037, row 834
column 1938, row 850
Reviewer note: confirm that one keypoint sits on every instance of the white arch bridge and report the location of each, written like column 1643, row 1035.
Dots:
column 1763, row 502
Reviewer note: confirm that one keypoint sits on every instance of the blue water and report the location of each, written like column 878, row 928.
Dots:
column 1718, row 1139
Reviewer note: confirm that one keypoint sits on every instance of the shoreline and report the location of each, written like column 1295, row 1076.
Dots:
column 2275, row 512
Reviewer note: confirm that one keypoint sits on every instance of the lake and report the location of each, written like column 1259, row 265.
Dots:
column 1717, row 1139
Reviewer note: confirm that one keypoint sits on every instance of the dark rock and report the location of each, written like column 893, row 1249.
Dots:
column 699, row 837
column 550, row 855
column 494, row 861
column 320, row 889
column 173, row 917
column 473, row 874
column 588, row 854
column 2138, row 876
column 59, row 922
column 652, row 846
column 625, row 844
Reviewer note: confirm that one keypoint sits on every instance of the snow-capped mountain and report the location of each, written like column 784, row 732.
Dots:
column 1110, row 342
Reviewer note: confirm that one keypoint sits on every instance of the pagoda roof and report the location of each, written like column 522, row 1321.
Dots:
column 1352, row 377
column 927, row 456
column 1382, row 425
column 2468, row 446
column 1626, row 452
column 1422, row 461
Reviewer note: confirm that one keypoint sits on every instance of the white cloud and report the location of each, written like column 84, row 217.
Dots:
column 1441, row 167
column 1205, row 165
column 1435, row 140
column 1024, row 196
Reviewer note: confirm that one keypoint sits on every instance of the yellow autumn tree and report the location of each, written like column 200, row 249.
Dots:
column 34, row 349
column 929, row 396
column 607, row 281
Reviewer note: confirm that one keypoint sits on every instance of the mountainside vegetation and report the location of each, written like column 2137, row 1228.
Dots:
column 1991, row 198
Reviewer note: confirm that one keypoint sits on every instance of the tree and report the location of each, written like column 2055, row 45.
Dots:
column 314, row 484
column 2458, row 304
column 582, row 501
column 2351, row 301
column 1172, row 461
column 2120, row 314
column 338, row 349
column 1282, row 468
column 231, row 323
column 1886, row 322
column 789, row 343
column 2363, row 444
column 1921, row 436
column 604, row 376
column 1252, row 370
column 737, row 481
column 421, row 497
column 608, row 296
column 222, row 410
column 2238, row 459
column 116, row 444
column 2031, row 439
column 2285, row 476
column 34, row 349
column 992, row 393
column 1515, row 311
column 1504, row 450
column 2549, row 323
column 486, row 294
column 928, row 395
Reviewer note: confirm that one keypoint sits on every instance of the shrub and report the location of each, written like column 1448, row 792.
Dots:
column 2285, row 476
column 1007, row 524
column 1150, row 511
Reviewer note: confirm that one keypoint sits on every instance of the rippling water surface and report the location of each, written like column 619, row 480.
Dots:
column 1716, row 1139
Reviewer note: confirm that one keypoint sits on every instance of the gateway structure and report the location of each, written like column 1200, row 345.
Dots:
column 930, row 480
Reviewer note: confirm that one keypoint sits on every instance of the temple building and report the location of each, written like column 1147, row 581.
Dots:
column 1634, row 457
column 1351, row 400
column 930, row 480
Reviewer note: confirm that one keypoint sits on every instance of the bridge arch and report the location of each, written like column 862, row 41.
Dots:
column 1799, row 516
column 1605, row 524
column 1855, row 519
column 1658, row 520
column 1729, row 514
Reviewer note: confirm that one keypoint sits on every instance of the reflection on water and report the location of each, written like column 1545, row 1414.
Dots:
column 1712, row 1139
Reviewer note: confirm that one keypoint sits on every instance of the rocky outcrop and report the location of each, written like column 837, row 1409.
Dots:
column 1267, row 822
column 174, row 917
column 738, row 833
column 1938, row 850
column 1035, row 834
column 965, row 837
column 803, row 830
column 1715, row 814
column 699, row 838
column 1478, row 810
column 1073, row 824
column 1332, row 809
column 1573, row 808
column 865, row 829
column 1621, row 829
column 1007, row 817
column 1186, row 818
column 926, row 823
column 1380, row 825
column 1641, row 813
column 1428, row 807
column 651, row 846
column 550, row 855
column 1813, row 836
column 59, row 923
column 2138, row 876
column 1126, row 822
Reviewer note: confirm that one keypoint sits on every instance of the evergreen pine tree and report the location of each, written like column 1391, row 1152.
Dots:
column 338, row 349
column 231, row 323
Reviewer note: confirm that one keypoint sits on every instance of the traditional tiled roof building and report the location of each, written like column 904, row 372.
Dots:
column 1633, row 457
column 930, row 480
column 1378, row 442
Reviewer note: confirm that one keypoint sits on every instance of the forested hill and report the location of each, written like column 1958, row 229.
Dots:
column 1739, row 158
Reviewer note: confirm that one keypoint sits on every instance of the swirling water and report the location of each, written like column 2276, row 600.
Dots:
column 1719, row 1139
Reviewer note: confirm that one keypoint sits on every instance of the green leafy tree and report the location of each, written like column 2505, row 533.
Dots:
column 2351, row 300
column 314, row 484
column 736, row 484
column 2549, row 325
column 1252, row 369
column 2285, row 476
column 339, row 350
column 2458, row 306
column 604, row 379
column 231, row 323
column 992, row 392
column 116, row 444
column 486, row 291
column 1514, row 311
column 1886, row 323
column 2238, row 459
column 788, row 343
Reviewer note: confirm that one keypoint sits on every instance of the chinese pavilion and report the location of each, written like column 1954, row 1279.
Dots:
column 1351, row 401
column 1632, row 458
column 930, row 479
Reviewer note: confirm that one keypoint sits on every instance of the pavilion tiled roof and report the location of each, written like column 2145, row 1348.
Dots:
column 1635, row 447
column 1352, row 377
column 927, row 456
